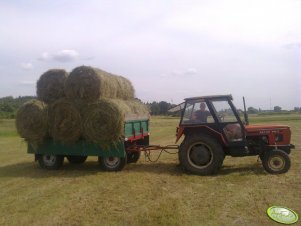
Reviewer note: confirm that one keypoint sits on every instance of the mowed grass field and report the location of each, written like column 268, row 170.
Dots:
column 144, row 193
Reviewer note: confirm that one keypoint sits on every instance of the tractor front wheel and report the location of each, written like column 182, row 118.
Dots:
column 200, row 154
column 276, row 162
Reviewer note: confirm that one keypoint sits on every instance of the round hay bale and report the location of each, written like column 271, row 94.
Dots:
column 90, row 84
column 31, row 121
column 64, row 121
column 125, row 89
column 103, row 123
column 50, row 86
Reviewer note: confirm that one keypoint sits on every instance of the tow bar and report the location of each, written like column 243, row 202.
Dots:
column 148, row 149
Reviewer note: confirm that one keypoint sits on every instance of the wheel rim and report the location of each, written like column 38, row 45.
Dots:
column 276, row 163
column 49, row 160
column 200, row 155
column 111, row 162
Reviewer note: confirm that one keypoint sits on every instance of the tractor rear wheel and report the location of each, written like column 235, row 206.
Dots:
column 74, row 159
column 276, row 162
column 50, row 162
column 112, row 163
column 201, row 154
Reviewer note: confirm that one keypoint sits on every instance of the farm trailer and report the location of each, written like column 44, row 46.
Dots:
column 51, row 154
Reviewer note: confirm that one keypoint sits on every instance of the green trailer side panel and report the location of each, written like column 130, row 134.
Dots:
column 128, row 129
column 135, row 127
column 80, row 148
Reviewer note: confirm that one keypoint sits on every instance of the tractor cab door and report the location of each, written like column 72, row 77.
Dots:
column 228, row 122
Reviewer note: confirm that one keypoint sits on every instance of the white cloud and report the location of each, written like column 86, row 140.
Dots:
column 190, row 71
column 44, row 56
column 293, row 45
column 176, row 72
column 66, row 55
column 269, row 21
column 26, row 66
column 164, row 75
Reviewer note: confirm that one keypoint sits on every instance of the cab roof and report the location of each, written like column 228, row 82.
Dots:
column 213, row 97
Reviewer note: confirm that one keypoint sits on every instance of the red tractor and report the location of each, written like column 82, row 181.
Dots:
column 213, row 129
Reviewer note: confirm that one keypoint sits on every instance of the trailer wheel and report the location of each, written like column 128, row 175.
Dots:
column 133, row 157
column 75, row 159
column 200, row 154
column 276, row 162
column 112, row 163
column 50, row 162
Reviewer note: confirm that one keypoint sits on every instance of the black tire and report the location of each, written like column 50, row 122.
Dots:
column 276, row 162
column 200, row 154
column 75, row 159
column 133, row 157
column 112, row 164
column 180, row 156
column 50, row 162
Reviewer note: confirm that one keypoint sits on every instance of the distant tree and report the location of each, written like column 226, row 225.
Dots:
column 6, row 107
column 9, row 105
column 159, row 108
column 277, row 109
column 296, row 109
column 252, row 110
column 164, row 106
column 154, row 108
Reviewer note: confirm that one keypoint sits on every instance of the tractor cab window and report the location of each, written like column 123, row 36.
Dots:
column 227, row 118
column 197, row 112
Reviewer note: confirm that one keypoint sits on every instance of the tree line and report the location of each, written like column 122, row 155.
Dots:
column 9, row 106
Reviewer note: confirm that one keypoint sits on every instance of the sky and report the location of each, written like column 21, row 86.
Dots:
column 168, row 49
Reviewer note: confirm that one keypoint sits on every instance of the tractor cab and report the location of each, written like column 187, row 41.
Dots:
column 215, row 114
column 213, row 129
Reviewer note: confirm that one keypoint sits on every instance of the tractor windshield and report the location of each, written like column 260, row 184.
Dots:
column 197, row 112
column 227, row 120
column 224, row 111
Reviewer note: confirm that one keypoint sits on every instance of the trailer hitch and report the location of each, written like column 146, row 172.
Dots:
column 149, row 148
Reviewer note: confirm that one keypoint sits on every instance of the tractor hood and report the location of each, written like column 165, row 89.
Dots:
column 262, row 129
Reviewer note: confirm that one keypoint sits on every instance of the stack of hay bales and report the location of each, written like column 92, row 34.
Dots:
column 88, row 104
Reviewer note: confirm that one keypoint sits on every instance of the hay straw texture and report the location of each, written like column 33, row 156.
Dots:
column 50, row 86
column 90, row 84
column 132, row 109
column 31, row 121
column 64, row 121
column 103, row 123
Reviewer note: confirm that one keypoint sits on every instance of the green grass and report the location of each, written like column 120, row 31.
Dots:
column 7, row 128
column 143, row 193
column 274, row 118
